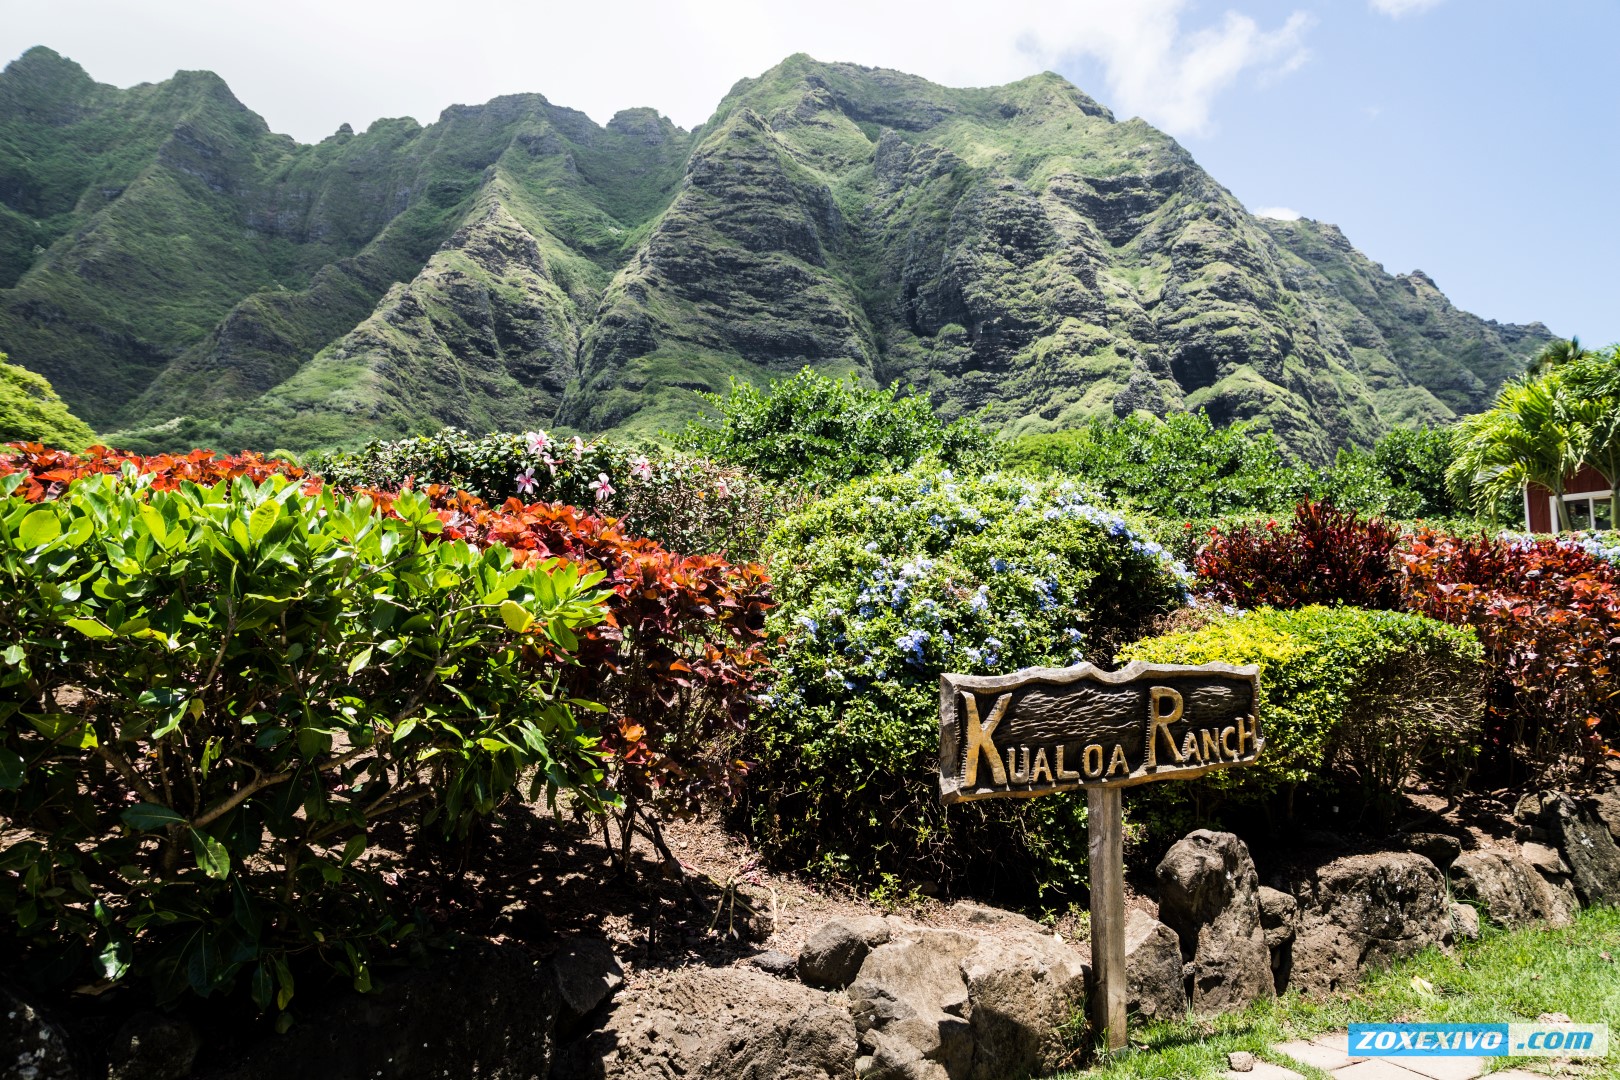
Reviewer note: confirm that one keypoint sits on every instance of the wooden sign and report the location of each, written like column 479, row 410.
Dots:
column 1056, row 729
column 1042, row 730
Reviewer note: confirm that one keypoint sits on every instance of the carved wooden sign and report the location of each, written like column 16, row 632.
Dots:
column 1056, row 729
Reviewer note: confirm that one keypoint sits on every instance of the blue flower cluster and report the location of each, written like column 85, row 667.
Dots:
column 911, row 645
column 914, row 606
column 1605, row 546
column 989, row 656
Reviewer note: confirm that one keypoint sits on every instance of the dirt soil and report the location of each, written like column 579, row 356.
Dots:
column 542, row 880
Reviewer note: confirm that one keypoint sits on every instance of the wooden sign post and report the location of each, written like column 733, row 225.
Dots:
column 1043, row 730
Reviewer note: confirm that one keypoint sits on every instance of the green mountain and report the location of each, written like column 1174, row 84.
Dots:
column 184, row 276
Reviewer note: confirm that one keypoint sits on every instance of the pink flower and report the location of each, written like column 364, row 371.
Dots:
column 601, row 486
column 579, row 447
column 526, row 482
column 539, row 442
column 721, row 488
column 641, row 468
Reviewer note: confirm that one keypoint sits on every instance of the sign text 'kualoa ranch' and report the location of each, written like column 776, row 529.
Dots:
column 1055, row 729
column 1042, row 730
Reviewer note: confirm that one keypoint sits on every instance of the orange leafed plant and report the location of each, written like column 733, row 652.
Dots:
column 50, row 471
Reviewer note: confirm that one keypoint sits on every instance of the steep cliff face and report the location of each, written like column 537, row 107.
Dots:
column 1012, row 250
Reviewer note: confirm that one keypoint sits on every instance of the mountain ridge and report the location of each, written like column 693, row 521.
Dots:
column 182, row 273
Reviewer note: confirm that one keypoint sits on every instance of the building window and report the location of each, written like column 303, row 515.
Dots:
column 1588, row 511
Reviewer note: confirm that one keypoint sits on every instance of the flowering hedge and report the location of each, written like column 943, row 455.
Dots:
column 689, row 504
column 882, row 587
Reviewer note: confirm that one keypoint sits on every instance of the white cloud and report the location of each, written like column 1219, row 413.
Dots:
column 1396, row 9
column 1278, row 213
column 310, row 65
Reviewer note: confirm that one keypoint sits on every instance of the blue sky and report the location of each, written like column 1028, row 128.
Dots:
column 1478, row 140
column 1474, row 139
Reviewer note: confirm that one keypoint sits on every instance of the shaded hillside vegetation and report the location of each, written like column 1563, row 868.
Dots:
column 182, row 275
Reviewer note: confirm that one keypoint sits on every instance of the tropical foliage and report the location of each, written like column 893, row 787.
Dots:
column 47, row 472
column 1180, row 467
column 1544, row 426
column 1185, row 468
column 1548, row 615
column 209, row 696
column 675, row 661
column 1402, row 476
column 1324, row 556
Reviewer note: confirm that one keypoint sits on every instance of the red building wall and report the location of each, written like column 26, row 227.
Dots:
column 1537, row 498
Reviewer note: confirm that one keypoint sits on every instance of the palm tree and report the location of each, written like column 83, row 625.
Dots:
column 1556, row 354
column 1591, row 386
column 1531, row 435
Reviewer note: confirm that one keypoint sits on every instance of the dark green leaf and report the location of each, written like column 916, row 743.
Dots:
column 143, row 817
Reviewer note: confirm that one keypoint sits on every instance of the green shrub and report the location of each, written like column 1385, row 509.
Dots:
column 882, row 587
column 688, row 504
column 1377, row 695
column 818, row 430
column 1402, row 476
column 1180, row 467
column 1184, row 467
column 207, row 697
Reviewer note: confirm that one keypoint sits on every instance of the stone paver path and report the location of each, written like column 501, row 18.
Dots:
column 1330, row 1054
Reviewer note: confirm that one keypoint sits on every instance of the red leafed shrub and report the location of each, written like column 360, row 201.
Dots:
column 49, row 471
column 1326, row 556
column 677, row 662
column 1548, row 616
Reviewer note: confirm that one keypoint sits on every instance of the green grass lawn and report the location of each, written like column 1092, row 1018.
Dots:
column 1504, row 977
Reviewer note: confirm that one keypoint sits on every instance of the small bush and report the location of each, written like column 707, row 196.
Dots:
column 1379, row 694
column 1327, row 556
column 882, row 587
column 209, row 694
column 820, row 430
column 688, row 504
column 1547, row 612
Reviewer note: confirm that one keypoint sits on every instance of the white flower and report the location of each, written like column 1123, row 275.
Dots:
column 539, row 442
column 526, row 482
column 641, row 468
column 579, row 447
column 602, row 487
